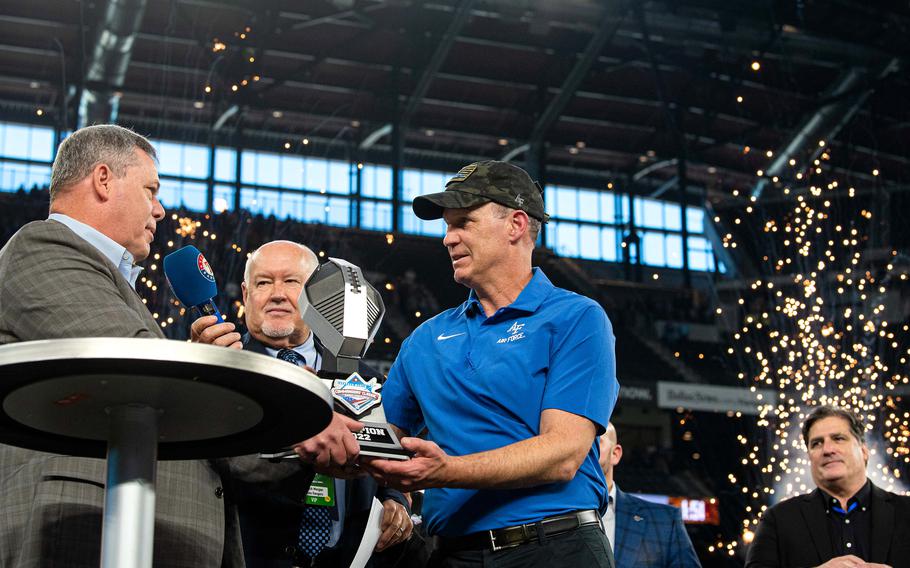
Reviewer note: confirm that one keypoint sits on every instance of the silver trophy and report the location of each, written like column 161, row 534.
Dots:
column 344, row 312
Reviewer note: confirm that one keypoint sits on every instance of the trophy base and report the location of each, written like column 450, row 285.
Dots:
column 378, row 440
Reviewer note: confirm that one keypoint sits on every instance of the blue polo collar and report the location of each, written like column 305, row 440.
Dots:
column 528, row 301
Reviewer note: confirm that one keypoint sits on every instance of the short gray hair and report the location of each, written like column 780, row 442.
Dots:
column 533, row 224
column 87, row 147
column 309, row 259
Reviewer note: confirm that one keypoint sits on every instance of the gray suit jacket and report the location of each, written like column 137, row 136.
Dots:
column 53, row 284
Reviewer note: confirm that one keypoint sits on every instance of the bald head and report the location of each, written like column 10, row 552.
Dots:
column 610, row 453
column 272, row 281
column 308, row 259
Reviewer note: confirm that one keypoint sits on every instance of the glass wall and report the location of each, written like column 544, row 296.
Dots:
column 588, row 223
column 585, row 223
column 26, row 152
column 421, row 182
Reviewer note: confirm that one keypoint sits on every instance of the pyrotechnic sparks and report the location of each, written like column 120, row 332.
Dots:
column 823, row 326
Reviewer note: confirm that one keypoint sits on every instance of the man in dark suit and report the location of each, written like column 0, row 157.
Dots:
column 73, row 275
column 847, row 522
column 643, row 534
column 270, row 523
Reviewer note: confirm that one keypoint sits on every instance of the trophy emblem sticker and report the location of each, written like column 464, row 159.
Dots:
column 356, row 394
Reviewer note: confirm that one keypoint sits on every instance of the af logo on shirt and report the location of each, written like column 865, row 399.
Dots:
column 514, row 332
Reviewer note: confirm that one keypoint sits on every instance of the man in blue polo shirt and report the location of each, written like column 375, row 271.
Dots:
column 511, row 388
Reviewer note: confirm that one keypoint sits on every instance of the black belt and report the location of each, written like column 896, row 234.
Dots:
column 509, row 537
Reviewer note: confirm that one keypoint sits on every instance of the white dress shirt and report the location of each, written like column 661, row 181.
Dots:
column 609, row 518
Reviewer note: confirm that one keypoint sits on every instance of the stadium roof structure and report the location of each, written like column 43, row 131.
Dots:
column 718, row 94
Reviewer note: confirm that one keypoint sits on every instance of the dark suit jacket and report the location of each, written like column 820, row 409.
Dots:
column 794, row 533
column 650, row 535
column 270, row 521
column 54, row 284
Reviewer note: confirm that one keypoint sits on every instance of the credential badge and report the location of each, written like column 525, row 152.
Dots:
column 357, row 394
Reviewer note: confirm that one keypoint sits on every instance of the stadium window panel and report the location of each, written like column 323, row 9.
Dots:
column 182, row 160
column 291, row 172
column 376, row 181
column 587, row 207
column 224, row 198
column 248, row 166
column 338, row 212
column 567, row 239
column 38, row 176
column 410, row 223
column 291, row 205
column 649, row 213
column 16, row 141
column 314, row 208
column 268, row 169
column 674, row 251
column 698, row 260
column 195, row 162
column 316, row 174
column 625, row 209
column 41, row 144
column 672, row 217
column 607, row 207
column 700, row 255
column 168, row 158
column 266, row 201
column 15, row 176
column 695, row 220
column 376, row 215
column 434, row 182
column 225, row 164
column 652, row 249
column 260, row 168
column 175, row 194
column 589, row 242
column 339, row 177
column 252, row 199
column 608, row 248
column 410, row 185
column 566, row 203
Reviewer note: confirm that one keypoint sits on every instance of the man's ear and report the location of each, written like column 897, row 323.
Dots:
column 101, row 179
column 519, row 225
column 616, row 455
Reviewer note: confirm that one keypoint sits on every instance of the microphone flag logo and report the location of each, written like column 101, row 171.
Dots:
column 204, row 268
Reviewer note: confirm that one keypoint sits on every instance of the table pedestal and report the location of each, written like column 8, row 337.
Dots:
column 128, row 530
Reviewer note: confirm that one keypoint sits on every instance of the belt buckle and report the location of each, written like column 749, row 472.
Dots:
column 495, row 546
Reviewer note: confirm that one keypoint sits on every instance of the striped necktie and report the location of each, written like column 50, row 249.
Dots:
column 292, row 357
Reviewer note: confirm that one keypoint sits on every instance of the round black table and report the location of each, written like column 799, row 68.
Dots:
column 136, row 401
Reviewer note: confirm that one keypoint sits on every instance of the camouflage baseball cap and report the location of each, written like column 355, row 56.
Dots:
column 482, row 182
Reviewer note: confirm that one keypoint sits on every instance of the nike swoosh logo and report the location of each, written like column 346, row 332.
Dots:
column 444, row 337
